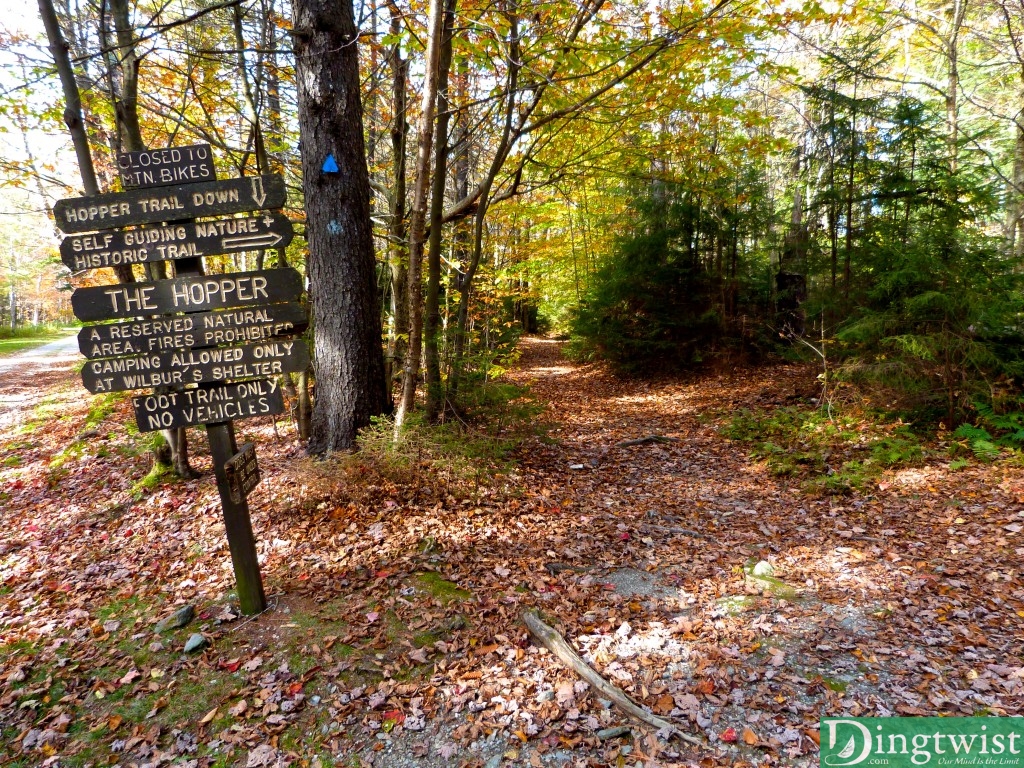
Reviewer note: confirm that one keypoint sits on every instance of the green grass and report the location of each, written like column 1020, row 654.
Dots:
column 160, row 473
column 445, row 591
column 829, row 453
column 29, row 337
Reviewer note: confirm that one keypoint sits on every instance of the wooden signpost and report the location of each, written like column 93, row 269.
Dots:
column 160, row 167
column 186, row 294
column 182, row 201
column 168, row 242
column 202, row 329
column 208, row 405
column 210, row 343
column 195, row 366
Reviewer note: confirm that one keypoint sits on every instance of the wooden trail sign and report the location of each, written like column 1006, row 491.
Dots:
column 185, row 346
column 202, row 329
column 243, row 472
column 194, row 366
column 186, row 294
column 161, row 167
column 166, row 242
column 208, row 404
column 182, row 201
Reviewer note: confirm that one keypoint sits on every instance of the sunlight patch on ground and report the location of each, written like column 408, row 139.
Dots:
column 914, row 477
column 550, row 370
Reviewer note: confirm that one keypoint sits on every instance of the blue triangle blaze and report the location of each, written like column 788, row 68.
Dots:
column 330, row 165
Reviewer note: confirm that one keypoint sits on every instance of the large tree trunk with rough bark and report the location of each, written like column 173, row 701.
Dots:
column 343, row 288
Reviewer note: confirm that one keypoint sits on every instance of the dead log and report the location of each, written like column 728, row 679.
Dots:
column 646, row 440
column 553, row 641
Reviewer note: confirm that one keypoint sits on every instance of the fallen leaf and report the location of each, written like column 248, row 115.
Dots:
column 160, row 704
column 238, row 709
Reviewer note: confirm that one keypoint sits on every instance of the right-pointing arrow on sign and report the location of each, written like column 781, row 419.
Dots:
column 269, row 240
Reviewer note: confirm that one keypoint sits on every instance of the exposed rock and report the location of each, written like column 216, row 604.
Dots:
column 196, row 643
column 180, row 618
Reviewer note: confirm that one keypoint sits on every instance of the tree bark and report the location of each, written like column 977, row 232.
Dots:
column 500, row 155
column 432, row 303
column 398, row 252
column 342, row 270
column 73, row 117
column 126, row 107
column 248, row 102
column 418, row 215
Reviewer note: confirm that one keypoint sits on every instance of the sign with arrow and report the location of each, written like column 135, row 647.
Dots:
column 182, row 201
column 201, row 329
column 186, row 294
column 167, row 242
column 195, row 366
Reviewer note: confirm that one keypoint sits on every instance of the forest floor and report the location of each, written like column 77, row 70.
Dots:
column 738, row 597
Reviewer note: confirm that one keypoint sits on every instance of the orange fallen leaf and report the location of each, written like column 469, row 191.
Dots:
column 749, row 737
column 664, row 704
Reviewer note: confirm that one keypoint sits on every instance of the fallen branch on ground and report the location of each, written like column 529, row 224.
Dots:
column 553, row 641
column 646, row 440
column 673, row 530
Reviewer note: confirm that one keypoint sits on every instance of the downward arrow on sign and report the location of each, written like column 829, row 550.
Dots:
column 258, row 194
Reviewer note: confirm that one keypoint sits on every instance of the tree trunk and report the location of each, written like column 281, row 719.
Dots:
column 126, row 107
column 248, row 102
column 432, row 304
column 398, row 252
column 484, row 199
column 1015, row 193
column 72, row 99
column 418, row 215
column 342, row 270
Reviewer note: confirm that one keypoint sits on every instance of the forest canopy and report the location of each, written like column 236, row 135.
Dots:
column 669, row 184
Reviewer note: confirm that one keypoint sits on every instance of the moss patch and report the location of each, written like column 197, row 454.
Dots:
column 445, row 591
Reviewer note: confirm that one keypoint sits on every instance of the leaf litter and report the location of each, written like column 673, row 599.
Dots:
column 717, row 595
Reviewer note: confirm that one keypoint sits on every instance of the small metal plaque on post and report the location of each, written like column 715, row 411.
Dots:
column 243, row 472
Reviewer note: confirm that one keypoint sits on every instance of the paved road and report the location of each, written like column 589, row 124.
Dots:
column 56, row 353
column 25, row 377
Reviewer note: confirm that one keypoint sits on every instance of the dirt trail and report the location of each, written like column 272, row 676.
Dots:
column 905, row 600
column 714, row 593
column 27, row 376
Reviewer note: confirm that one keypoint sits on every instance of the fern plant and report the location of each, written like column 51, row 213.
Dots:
column 982, row 444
